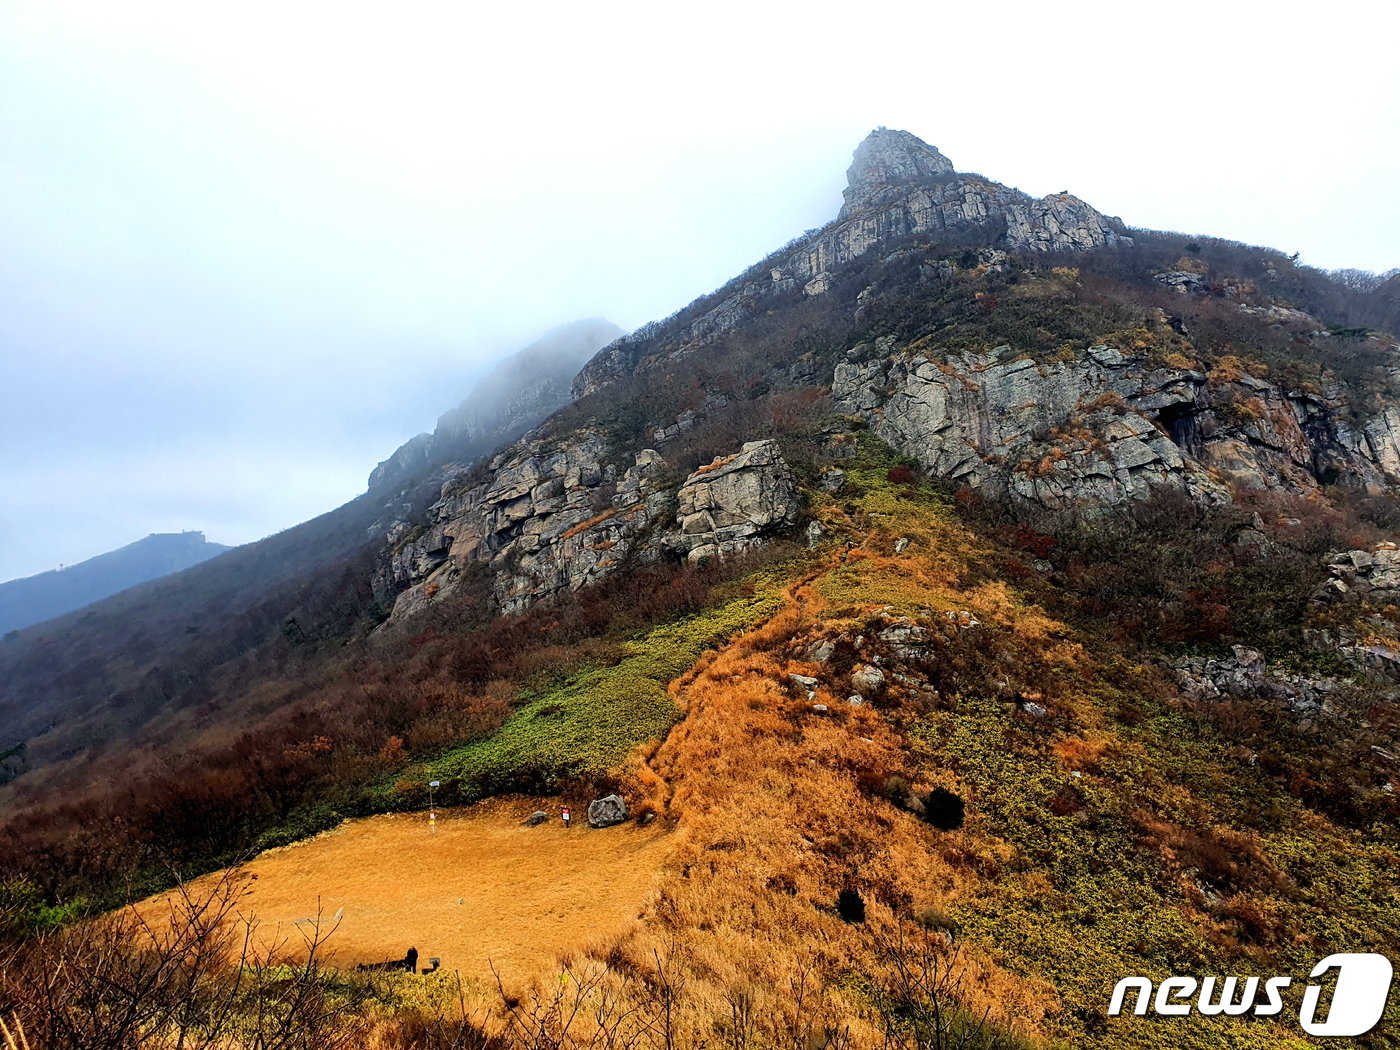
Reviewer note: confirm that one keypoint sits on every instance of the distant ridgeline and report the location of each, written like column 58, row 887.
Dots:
column 37, row 598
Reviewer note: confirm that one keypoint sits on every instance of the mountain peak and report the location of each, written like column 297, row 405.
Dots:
column 890, row 158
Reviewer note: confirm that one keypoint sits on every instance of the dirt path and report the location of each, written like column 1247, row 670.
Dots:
column 482, row 887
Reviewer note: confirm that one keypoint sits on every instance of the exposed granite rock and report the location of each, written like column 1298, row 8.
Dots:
column 898, row 186
column 1184, row 281
column 546, row 521
column 1356, row 574
column 607, row 812
column 554, row 517
column 1105, row 427
column 886, row 161
column 1358, row 601
column 1245, row 675
column 867, row 678
column 726, row 506
column 905, row 637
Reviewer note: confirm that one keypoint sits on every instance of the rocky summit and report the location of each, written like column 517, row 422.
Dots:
column 1077, row 430
column 898, row 187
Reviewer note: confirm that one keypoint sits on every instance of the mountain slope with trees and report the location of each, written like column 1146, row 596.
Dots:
column 37, row 598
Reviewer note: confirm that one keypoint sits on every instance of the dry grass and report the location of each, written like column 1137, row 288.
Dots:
column 480, row 891
column 727, row 925
column 774, row 825
column 13, row 1035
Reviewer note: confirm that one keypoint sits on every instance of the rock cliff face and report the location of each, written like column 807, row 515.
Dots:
column 1104, row 426
column 898, row 186
column 555, row 517
column 1080, row 430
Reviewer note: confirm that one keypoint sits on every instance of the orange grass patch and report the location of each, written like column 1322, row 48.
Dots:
column 480, row 890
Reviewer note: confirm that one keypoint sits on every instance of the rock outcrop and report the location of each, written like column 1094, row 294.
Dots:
column 1358, row 574
column 885, row 163
column 1244, row 675
column 725, row 507
column 898, row 186
column 1103, row 427
column 1357, row 606
column 548, row 518
column 557, row 516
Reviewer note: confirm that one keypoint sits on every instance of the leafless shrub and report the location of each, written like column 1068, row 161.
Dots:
column 193, row 977
column 919, row 995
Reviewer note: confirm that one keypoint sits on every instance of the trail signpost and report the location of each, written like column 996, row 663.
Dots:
column 433, row 785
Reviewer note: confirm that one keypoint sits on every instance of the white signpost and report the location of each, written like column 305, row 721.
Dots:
column 433, row 785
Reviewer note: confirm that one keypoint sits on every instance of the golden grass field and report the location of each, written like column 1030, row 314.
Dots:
column 482, row 890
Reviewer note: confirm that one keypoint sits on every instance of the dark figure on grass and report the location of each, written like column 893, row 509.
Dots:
column 410, row 961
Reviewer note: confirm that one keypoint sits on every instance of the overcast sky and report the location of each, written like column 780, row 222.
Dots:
column 248, row 249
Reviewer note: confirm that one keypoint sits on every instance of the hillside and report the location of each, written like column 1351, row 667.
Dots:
column 988, row 600
column 163, row 658
column 36, row 598
column 1102, row 826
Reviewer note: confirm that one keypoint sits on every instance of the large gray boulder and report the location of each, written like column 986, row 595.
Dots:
column 724, row 507
column 607, row 811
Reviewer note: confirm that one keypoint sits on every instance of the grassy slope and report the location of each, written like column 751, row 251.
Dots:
column 586, row 725
column 1168, row 852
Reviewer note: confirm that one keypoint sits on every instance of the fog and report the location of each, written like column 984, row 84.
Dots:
column 249, row 249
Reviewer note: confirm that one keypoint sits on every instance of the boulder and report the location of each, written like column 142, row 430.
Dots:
column 725, row 507
column 607, row 811
column 1184, row 281
column 868, row 679
column 536, row 818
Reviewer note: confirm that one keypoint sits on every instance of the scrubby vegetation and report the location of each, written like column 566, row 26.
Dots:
column 582, row 728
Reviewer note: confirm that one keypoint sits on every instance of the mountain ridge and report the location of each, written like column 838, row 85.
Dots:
column 1121, row 408
column 43, row 596
column 516, row 393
